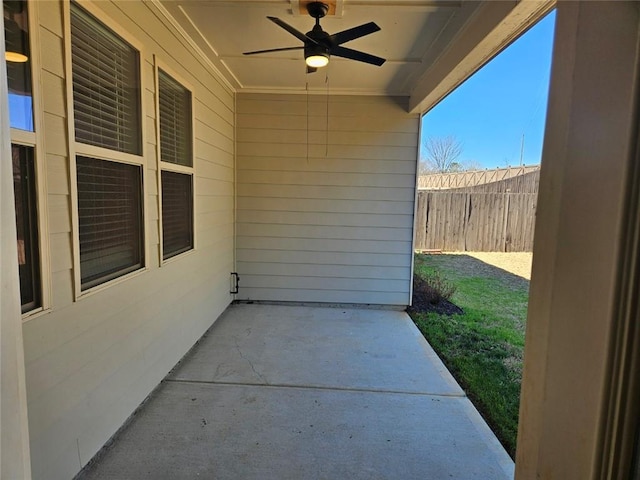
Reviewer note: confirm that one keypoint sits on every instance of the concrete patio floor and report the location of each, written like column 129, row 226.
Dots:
column 292, row 392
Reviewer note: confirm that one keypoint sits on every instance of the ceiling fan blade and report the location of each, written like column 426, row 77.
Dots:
column 273, row 50
column 292, row 31
column 356, row 55
column 311, row 69
column 353, row 33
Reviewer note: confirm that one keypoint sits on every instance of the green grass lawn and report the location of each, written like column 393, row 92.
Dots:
column 483, row 347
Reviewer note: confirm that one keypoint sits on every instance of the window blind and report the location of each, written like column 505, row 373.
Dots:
column 106, row 79
column 177, row 213
column 110, row 219
column 175, row 121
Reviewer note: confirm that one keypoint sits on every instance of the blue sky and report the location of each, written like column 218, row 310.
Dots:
column 505, row 99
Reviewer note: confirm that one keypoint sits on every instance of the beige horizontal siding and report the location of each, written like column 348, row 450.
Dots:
column 209, row 169
column 213, row 187
column 320, row 231
column 325, row 204
column 219, row 123
column 61, row 256
column 55, row 134
column 319, row 151
column 345, row 271
column 50, row 16
column 59, row 214
column 213, row 153
column 317, row 122
column 52, row 50
column 62, row 293
column 346, row 165
column 52, row 85
column 322, row 258
column 354, row 106
column 332, row 296
column 89, row 363
column 331, row 283
column 322, row 136
column 264, row 244
column 387, row 180
column 326, row 219
column 207, row 204
column 57, row 175
column 258, row 190
column 208, row 134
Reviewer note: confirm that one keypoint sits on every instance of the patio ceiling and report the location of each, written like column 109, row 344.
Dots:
column 429, row 45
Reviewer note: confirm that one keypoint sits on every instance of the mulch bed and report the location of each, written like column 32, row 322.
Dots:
column 422, row 304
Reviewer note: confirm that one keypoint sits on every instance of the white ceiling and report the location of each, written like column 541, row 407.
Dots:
column 415, row 36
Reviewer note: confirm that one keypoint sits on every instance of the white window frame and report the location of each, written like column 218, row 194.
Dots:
column 172, row 167
column 35, row 140
column 100, row 153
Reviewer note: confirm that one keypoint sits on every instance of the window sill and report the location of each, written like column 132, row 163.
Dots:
column 103, row 286
column 35, row 313
column 177, row 257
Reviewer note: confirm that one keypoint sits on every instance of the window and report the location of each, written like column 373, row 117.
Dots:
column 109, row 164
column 176, row 157
column 110, row 219
column 175, row 121
column 106, row 86
column 24, row 187
column 18, row 56
column 177, row 214
column 21, row 121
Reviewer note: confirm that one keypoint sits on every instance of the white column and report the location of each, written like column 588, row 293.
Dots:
column 14, row 432
column 589, row 140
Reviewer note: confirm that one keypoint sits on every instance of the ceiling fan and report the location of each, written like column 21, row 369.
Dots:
column 319, row 45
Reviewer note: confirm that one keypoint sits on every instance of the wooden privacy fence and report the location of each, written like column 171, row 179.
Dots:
column 446, row 181
column 475, row 221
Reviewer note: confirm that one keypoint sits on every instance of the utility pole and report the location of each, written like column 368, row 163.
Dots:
column 522, row 149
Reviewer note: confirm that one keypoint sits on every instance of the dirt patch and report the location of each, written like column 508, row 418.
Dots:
column 513, row 269
column 516, row 263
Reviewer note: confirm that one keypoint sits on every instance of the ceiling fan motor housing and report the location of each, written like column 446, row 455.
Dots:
column 324, row 42
column 317, row 9
column 311, row 50
column 319, row 35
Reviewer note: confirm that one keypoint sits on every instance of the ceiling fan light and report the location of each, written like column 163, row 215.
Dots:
column 15, row 57
column 317, row 60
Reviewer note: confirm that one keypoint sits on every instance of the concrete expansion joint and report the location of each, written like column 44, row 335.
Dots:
column 322, row 387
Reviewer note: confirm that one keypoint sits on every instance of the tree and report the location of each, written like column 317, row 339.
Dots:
column 442, row 154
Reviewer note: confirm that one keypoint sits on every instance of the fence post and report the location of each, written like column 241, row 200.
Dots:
column 505, row 220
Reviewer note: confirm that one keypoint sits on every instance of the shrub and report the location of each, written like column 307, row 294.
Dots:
column 433, row 287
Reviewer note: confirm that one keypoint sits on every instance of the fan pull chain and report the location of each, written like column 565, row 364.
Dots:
column 307, row 89
column 326, row 150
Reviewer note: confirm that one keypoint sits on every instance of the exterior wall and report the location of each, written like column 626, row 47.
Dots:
column 325, row 205
column 91, row 361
